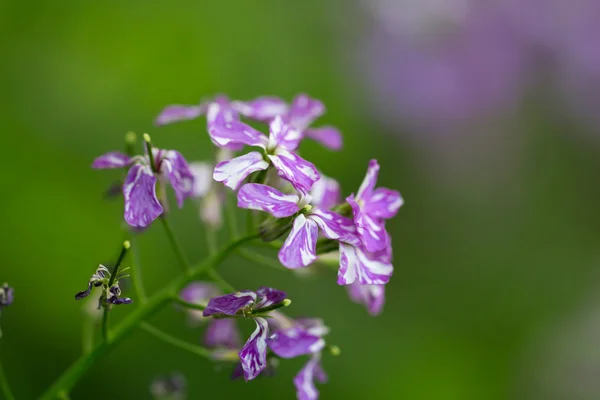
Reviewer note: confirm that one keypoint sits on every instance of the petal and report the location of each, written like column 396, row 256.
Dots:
column 113, row 159
column 222, row 333
column 294, row 342
column 304, row 111
column 334, row 226
column 304, row 381
column 255, row 196
column 357, row 265
column 211, row 209
column 283, row 135
column 199, row 292
column 253, row 355
column 261, row 109
column 177, row 171
column 268, row 296
column 202, row 173
column 368, row 184
column 139, row 190
column 371, row 296
column 233, row 172
column 299, row 249
column 229, row 304
column 226, row 130
column 328, row 136
column 383, row 203
column 314, row 326
column 371, row 230
column 179, row 112
column 78, row 296
column 295, row 169
column 325, row 193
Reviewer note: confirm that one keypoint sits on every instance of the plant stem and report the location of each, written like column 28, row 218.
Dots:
column 111, row 281
column 4, row 387
column 136, row 274
column 186, row 304
column 172, row 340
column 175, row 244
column 70, row 377
column 230, row 215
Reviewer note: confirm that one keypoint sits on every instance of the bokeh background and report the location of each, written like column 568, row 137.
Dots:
column 483, row 114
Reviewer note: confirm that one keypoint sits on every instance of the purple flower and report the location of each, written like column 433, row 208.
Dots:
column 297, row 338
column 139, row 189
column 371, row 207
column 220, row 333
column 7, row 296
column 299, row 249
column 371, row 296
column 300, row 115
column 367, row 268
column 253, row 355
column 101, row 278
column 278, row 150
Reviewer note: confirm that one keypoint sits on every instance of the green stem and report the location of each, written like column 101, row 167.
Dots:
column 175, row 244
column 4, row 387
column 172, row 340
column 186, row 304
column 111, row 281
column 136, row 275
column 70, row 377
column 230, row 215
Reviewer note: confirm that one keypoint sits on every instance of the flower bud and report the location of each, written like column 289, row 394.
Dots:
column 274, row 228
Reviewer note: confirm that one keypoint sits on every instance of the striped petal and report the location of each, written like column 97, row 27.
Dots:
column 325, row 193
column 113, row 159
column 304, row 111
column 334, row 226
column 371, row 230
column 268, row 296
column 299, row 249
column 368, row 184
column 371, row 296
column 233, row 172
column 295, row 169
column 357, row 265
column 254, row 196
column 305, row 380
column 294, row 342
column 383, row 203
column 229, row 304
column 283, row 135
column 139, row 190
column 253, row 355
column 262, row 109
column 177, row 171
column 179, row 112
column 226, row 130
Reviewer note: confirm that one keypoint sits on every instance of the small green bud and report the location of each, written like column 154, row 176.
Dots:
column 274, row 228
column 287, row 302
column 334, row 350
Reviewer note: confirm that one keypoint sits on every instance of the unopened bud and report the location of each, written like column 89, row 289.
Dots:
column 274, row 228
column 287, row 302
column 334, row 350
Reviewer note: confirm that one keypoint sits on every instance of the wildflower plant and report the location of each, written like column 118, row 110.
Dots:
column 292, row 207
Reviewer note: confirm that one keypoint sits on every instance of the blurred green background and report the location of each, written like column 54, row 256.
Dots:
column 495, row 250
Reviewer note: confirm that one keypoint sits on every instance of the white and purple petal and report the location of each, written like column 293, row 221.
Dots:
column 334, row 226
column 305, row 380
column 139, row 191
column 229, row 304
column 175, row 168
column 226, row 130
column 283, row 135
column 383, row 203
column 325, row 192
column 253, row 355
column 314, row 326
column 368, row 184
column 371, row 230
column 293, row 168
column 304, row 110
column 371, row 296
column 299, row 249
column 255, row 196
column 202, row 173
column 222, row 333
column 179, row 112
column 262, row 109
column 358, row 265
column 113, row 159
column 233, row 172
column 294, row 342
column 267, row 296
column 328, row 136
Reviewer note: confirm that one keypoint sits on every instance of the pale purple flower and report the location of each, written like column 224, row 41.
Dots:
column 303, row 111
column 253, row 355
column 371, row 207
column 220, row 333
column 299, row 249
column 139, row 189
column 371, row 296
column 278, row 150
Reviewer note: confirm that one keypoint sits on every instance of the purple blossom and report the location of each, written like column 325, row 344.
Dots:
column 299, row 249
column 278, row 150
column 367, row 268
column 253, row 355
column 371, row 296
column 371, row 207
column 139, row 189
